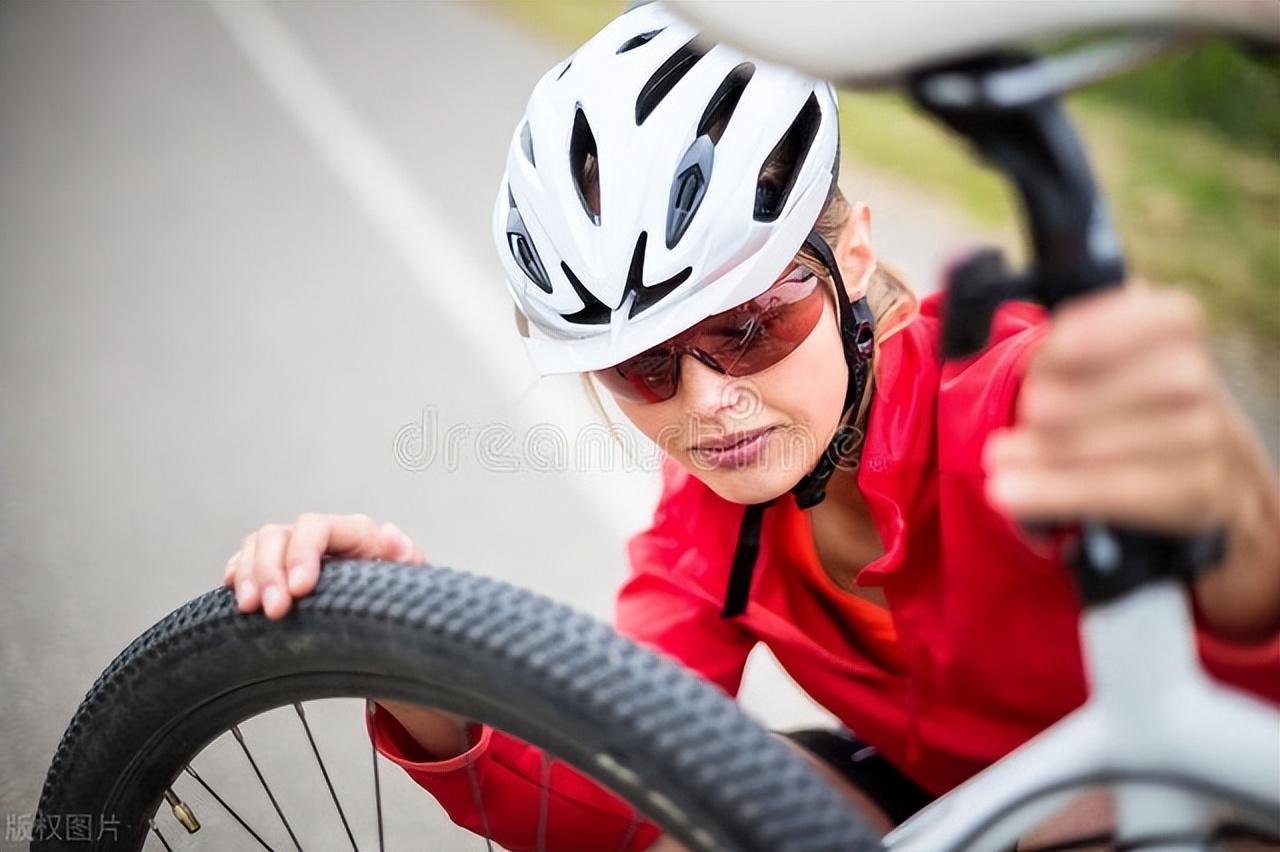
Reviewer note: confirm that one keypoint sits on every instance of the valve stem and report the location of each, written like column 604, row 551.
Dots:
column 182, row 811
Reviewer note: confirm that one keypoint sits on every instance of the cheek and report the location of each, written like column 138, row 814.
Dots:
column 802, row 392
column 807, row 387
column 656, row 421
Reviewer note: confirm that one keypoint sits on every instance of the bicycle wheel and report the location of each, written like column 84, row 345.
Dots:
column 674, row 746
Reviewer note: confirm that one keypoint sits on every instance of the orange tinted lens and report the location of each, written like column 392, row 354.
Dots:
column 650, row 376
column 740, row 341
column 760, row 333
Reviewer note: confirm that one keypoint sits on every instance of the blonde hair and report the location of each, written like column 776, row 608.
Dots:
column 892, row 301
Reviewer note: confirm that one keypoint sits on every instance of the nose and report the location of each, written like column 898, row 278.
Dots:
column 704, row 392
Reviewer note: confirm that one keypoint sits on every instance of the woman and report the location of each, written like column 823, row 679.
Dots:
column 670, row 224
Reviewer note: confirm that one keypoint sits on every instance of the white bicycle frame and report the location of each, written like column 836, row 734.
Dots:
column 1153, row 716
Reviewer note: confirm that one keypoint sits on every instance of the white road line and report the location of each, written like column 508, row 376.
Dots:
column 419, row 233
column 423, row 238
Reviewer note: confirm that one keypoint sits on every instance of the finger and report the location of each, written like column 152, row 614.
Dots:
column 1163, row 497
column 229, row 574
column 1170, row 435
column 353, row 536
column 247, row 597
column 1158, row 377
column 307, row 544
column 268, row 569
column 393, row 544
column 1090, row 333
column 360, row 537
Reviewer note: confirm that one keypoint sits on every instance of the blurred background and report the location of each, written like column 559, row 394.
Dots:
column 246, row 272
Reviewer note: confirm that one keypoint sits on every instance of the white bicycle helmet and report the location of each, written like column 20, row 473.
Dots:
column 631, row 207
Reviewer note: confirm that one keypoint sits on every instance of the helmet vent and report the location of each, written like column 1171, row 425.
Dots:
column 689, row 187
column 781, row 168
column 646, row 297
column 639, row 40
column 594, row 311
column 666, row 77
column 565, row 70
column 722, row 104
column 649, row 296
column 522, row 249
column 526, row 144
column 585, row 166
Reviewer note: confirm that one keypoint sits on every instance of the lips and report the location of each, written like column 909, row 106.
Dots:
column 727, row 441
column 739, row 450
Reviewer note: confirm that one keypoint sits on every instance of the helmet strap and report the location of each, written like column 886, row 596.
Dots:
column 857, row 336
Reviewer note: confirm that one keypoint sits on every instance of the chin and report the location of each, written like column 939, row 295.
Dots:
column 789, row 455
column 752, row 484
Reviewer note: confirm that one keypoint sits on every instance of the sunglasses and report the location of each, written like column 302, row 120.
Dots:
column 738, row 342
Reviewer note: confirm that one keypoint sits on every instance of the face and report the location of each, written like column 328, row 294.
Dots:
column 751, row 438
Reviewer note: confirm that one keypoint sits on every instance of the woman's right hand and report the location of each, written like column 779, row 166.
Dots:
column 280, row 562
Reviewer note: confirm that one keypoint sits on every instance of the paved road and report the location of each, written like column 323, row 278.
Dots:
column 203, row 329
column 240, row 254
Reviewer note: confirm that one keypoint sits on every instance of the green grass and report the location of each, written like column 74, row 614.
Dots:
column 1194, row 209
column 1185, row 149
column 566, row 22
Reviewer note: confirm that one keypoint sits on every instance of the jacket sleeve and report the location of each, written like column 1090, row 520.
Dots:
column 1251, row 666
column 496, row 788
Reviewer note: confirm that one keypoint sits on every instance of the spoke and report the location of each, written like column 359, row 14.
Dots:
column 235, row 732
column 227, row 807
column 325, row 772
column 155, row 828
column 377, row 784
column 544, row 801
column 476, row 795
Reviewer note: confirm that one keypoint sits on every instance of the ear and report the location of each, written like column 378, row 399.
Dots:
column 853, row 250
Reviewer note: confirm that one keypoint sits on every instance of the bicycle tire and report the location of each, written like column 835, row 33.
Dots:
column 669, row 742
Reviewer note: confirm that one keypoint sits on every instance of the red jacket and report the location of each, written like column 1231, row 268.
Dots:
column 987, row 650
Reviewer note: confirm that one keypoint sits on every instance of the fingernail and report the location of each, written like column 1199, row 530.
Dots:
column 296, row 574
column 244, row 589
column 270, row 595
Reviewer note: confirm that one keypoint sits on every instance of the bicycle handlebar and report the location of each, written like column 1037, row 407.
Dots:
column 1075, row 252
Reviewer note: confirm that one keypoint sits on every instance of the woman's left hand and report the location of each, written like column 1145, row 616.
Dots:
column 1121, row 416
